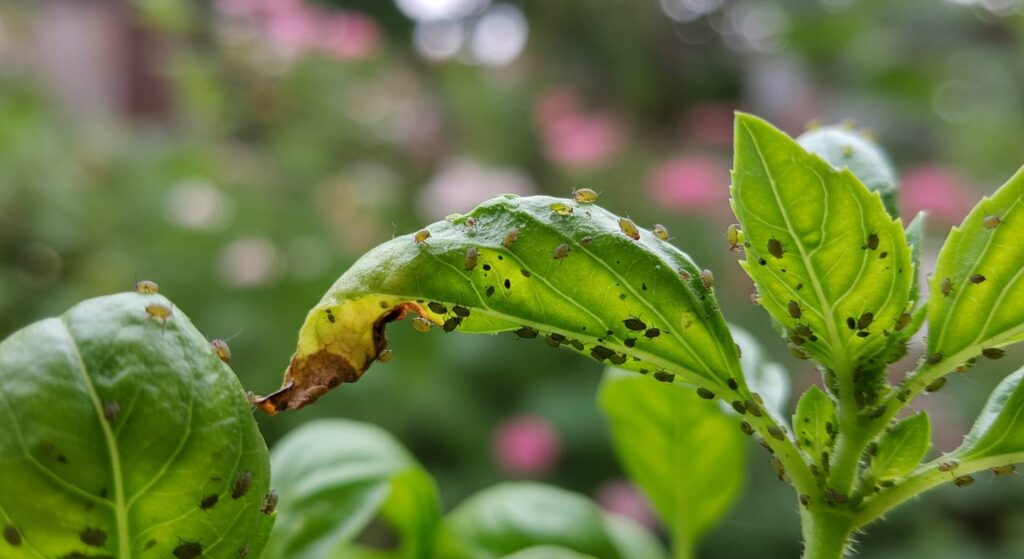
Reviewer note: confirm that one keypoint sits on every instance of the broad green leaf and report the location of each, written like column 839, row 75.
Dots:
column 513, row 517
column 766, row 378
column 999, row 428
column 125, row 436
column 915, row 238
column 902, row 447
column 844, row 147
column 685, row 453
column 977, row 296
column 335, row 477
column 815, row 423
column 577, row 276
column 820, row 247
column 548, row 552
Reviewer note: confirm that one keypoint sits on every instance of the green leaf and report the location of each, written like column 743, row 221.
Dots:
column 815, row 423
column 977, row 298
column 513, row 517
column 766, row 378
column 999, row 429
column 547, row 552
column 843, row 147
column 685, row 453
column 125, row 436
column 822, row 250
column 901, row 448
column 915, row 238
column 335, row 477
column 578, row 277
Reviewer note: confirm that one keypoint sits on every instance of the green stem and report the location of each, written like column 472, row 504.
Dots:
column 682, row 544
column 826, row 533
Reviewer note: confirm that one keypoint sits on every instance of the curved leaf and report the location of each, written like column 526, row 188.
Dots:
column 902, row 447
column 683, row 452
column 513, row 517
column 999, row 428
column 820, row 247
column 547, row 552
column 815, row 423
column 977, row 296
column 843, row 147
column 125, row 436
column 575, row 274
column 335, row 477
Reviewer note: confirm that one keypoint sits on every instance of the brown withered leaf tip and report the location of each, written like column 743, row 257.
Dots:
column 310, row 377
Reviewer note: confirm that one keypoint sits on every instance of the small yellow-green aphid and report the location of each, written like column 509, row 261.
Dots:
column 472, row 256
column 946, row 286
column 948, row 466
column 629, row 228
column 422, row 324
column 1004, row 470
column 146, row 287
column 991, row 221
column 220, row 347
column 510, row 237
column 735, row 237
column 584, row 195
column 386, row 355
column 561, row 251
column 561, row 208
column 963, row 481
column 158, row 311
column 660, row 231
column 421, row 236
column 707, row 278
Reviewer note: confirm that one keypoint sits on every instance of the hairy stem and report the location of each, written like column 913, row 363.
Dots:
column 826, row 532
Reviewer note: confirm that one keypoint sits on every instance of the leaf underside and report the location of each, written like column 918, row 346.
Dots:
column 999, row 429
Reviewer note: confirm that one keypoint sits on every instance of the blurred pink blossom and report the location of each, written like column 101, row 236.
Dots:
column 690, row 184
column 940, row 190
column 460, row 184
column 709, row 124
column 349, row 36
column 526, row 446
column 621, row 497
column 573, row 137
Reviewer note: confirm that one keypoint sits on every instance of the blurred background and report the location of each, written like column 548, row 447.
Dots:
column 242, row 153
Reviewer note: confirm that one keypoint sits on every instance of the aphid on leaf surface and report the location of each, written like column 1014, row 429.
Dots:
column 734, row 235
column 421, row 324
column 601, row 353
column 526, row 333
column 93, row 537
column 436, row 307
column 872, row 242
column 865, row 320
column 933, row 358
column 554, row 340
column 243, row 551
column 421, row 236
column 561, row 208
column 903, row 321
column 629, row 228
column 993, row 352
column 221, row 349
column 634, row 324
column 1004, row 470
column 451, row 324
column 618, row 358
column 188, row 550
column 684, row 275
column 780, row 470
column 732, row 384
column 739, row 407
column 705, row 393
column 111, row 409
column 948, row 466
column 977, row 278
column 805, row 500
column 707, row 278
column 330, row 316
column 794, row 309
column 776, row 432
column 472, row 257
column 746, row 428
column 242, row 485
column 629, row 342
column 386, row 355
column 586, row 241
column 12, row 536
column 752, row 408
column 991, row 221
column 798, row 352
column 209, row 501
column 560, row 252
column 851, row 323
column 585, row 195
column 664, row 376
column 660, row 231
column 460, row 311
column 146, row 287
column 510, row 237
column 158, row 311
column 576, row 344
column 269, row 503
column 963, row 481
column 652, row 333
column 775, row 247
column 946, row 286
column 471, row 222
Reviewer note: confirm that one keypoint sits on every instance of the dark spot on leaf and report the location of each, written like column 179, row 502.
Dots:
column 242, row 485
column 762, row 261
column 863, row 334
column 882, row 255
column 188, row 550
column 643, row 286
column 851, row 323
column 209, row 501
column 487, row 267
column 93, row 537
column 731, row 383
column 508, row 284
column 243, row 551
column 489, row 291
column 629, row 342
column 526, row 273
column 872, row 241
column 775, row 247
column 977, row 278
column 12, row 535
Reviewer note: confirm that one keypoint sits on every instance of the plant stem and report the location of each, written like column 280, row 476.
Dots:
column 826, row 533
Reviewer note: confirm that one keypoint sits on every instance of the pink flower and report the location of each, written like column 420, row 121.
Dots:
column 526, row 446
column 939, row 190
column 621, row 497
column 349, row 36
column 690, row 184
column 572, row 137
column 710, row 124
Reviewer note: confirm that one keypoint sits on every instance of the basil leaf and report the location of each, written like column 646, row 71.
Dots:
column 843, row 147
column 902, row 447
column 999, row 428
column 815, row 423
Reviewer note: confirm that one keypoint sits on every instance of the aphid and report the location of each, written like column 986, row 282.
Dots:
column 146, row 287
column 242, row 485
column 865, row 320
column 330, row 316
column 993, row 352
column 243, row 551
column 386, row 355
column 805, row 500
column 460, row 311
column 158, row 311
column 1004, row 470
column 872, row 242
column 421, row 236
column 421, row 324
column 684, row 275
column 705, row 393
column 948, row 466
column 634, row 324
column 752, row 408
column 775, row 247
column 93, row 537
column 731, row 383
column 618, row 358
column 977, row 278
column 629, row 228
column 739, row 351
column 871, row 449
column 629, row 342
column 739, row 407
column 963, row 481
column 12, row 536
column 188, row 550
column 561, row 208
column 851, row 323
column 780, row 470
column 489, row 291
column 876, row 412
column 269, row 503
column 660, row 231
column 902, row 322
column 526, row 333
column 798, row 352
column 601, row 353
column 746, row 428
column 734, row 235
column 946, row 286
column 584, row 195
column 510, row 237
column 933, row 358
column 221, row 349
column 707, row 278
column 111, row 409
column 586, row 241
column 554, row 341
column 776, row 432
column 576, row 344
column 451, row 324
column 560, row 252
column 472, row 257
column 664, row 376
column 209, row 501
column 794, row 309
column 652, row 333
column 991, row 221
column 471, row 222
column 436, row 307
column 803, row 330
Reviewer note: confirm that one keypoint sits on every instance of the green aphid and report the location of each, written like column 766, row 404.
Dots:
column 561, row 208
